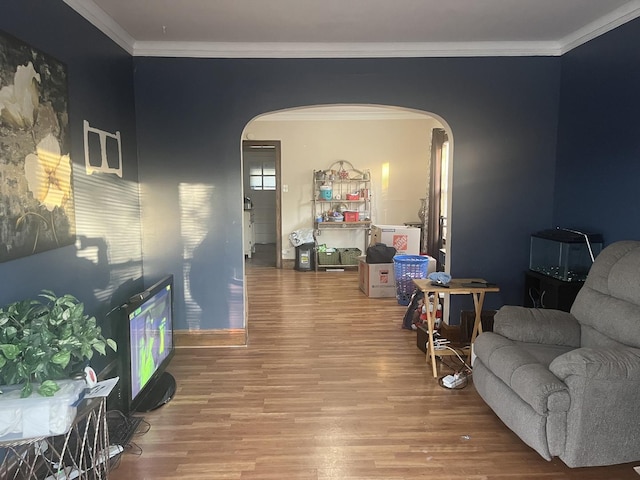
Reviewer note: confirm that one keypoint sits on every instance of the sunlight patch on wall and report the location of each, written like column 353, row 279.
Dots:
column 108, row 232
column 384, row 193
column 385, row 177
column 195, row 212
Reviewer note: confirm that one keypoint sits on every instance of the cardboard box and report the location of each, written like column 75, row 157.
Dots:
column 431, row 266
column 406, row 240
column 376, row 279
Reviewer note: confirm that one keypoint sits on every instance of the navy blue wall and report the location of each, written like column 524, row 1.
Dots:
column 191, row 113
column 598, row 166
column 503, row 113
column 105, row 265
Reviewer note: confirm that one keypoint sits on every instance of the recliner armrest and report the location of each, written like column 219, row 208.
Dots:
column 537, row 325
column 599, row 364
column 602, row 421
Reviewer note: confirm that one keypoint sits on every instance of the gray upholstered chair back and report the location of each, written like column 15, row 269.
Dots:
column 608, row 305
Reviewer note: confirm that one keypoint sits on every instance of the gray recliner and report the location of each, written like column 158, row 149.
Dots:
column 568, row 384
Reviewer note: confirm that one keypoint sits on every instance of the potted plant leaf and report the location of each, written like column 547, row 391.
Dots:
column 47, row 339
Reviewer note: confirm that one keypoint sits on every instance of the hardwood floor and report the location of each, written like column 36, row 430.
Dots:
column 329, row 388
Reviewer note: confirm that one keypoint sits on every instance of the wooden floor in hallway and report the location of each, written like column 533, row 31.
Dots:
column 329, row 387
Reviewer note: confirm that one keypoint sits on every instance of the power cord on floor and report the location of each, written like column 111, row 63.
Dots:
column 142, row 429
column 131, row 447
column 460, row 378
column 459, row 357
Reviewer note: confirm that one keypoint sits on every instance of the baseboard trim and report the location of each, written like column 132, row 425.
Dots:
column 234, row 337
column 288, row 263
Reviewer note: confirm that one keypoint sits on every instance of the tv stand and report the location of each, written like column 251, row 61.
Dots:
column 160, row 393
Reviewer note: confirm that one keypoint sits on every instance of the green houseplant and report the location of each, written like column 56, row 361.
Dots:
column 46, row 339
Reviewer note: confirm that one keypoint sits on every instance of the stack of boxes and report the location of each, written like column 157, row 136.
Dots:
column 378, row 279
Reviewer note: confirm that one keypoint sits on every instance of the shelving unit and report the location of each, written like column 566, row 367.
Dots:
column 341, row 189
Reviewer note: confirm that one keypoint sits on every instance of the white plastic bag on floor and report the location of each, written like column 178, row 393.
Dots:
column 300, row 237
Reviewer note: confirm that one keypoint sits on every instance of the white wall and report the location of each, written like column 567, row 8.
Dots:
column 368, row 144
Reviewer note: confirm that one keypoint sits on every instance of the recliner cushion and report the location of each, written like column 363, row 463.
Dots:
column 545, row 354
column 609, row 301
column 537, row 325
column 518, row 369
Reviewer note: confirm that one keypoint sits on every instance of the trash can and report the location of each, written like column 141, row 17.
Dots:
column 305, row 258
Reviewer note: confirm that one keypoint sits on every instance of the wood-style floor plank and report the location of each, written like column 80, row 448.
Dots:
column 330, row 387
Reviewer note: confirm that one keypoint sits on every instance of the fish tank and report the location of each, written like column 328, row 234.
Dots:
column 564, row 254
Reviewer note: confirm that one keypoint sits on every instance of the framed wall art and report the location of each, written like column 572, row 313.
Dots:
column 36, row 189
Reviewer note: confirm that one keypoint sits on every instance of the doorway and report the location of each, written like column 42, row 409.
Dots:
column 438, row 198
column 393, row 143
column 262, row 226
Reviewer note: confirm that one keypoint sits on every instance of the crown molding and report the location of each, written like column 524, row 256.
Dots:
column 103, row 22
column 345, row 50
column 612, row 20
column 96, row 16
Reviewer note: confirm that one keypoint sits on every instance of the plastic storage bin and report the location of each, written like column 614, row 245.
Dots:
column 38, row 416
column 406, row 268
column 350, row 216
column 563, row 254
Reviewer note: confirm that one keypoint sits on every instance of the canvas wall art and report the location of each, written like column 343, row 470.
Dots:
column 36, row 189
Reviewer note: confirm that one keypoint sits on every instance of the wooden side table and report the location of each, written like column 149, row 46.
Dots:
column 477, row 287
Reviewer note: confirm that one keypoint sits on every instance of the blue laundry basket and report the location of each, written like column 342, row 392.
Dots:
column 406, row 268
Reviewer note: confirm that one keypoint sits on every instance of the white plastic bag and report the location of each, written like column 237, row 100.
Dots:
column 300, row 237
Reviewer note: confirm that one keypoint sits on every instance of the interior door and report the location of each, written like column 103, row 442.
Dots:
column 261, row 166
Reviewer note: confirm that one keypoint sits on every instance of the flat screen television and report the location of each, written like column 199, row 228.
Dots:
column 149, row 316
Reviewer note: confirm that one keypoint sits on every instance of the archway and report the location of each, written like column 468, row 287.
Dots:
column 368, row 135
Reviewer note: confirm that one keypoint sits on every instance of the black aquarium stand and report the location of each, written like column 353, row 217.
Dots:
column 542, row 291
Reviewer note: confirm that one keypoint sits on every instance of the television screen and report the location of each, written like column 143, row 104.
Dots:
column 150, row 317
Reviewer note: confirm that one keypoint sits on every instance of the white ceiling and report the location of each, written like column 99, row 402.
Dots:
column 353, row 28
